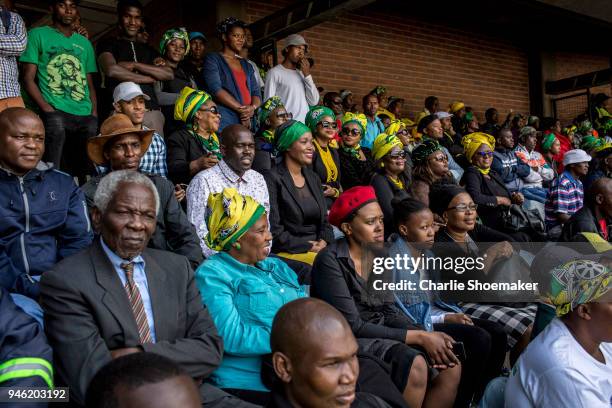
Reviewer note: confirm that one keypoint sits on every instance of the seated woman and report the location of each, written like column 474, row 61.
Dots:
column 230, row 79
column 356, row 163
column 298, row 212
column 389, row 180
column 270, row 116
column 484, row 341
column 340, row 277
column 461, row 236
column 196, row 147
column 173, row 46
column 326, row 161
column 485, row 186
column 550, row 146
column 430, row 164
column 243, row 289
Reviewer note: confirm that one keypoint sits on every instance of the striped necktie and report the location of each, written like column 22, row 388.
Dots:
column 138, row 309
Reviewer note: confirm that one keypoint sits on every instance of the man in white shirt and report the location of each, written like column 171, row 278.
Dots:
column 569, row 364
column 238, row 148
column 291, row 80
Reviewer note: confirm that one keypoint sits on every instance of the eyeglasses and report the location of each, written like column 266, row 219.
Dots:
column 327, row 124
column 399, row 155
column 351, row 132
column 285, row 115
column 441, row 158
column 464, row 207
column 212, row 109
column 484, row 155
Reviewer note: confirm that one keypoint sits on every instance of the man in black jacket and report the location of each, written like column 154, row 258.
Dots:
column 121, row 146
column 595, row 216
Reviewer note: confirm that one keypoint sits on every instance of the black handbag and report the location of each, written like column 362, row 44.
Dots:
column 515, row 218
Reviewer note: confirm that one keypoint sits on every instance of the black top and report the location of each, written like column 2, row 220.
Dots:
column 126, row 50
column 386, row 191
column 290, row 229
column 583, row 220
column 355, row 172
column 483, row 191
column 174, row 86
column 319, row 168
column 192, row 70
column 278, row 399
column 264, row 153
column 309, row 205
column 371, row 314
column 182, row 149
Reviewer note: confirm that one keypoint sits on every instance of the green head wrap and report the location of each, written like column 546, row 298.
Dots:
column 174, row 34
column 314, row 115
column 288, row 133
column 547, row 142
column 590, row 142
column 422, row 151
column 188, row 103
column 267, row 107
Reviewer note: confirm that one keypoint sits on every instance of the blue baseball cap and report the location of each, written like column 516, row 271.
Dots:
column 197, row 34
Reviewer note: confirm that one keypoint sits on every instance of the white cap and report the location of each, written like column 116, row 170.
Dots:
column 443, row 115
column 126, row 91
column 576, row 156
column 295, row 39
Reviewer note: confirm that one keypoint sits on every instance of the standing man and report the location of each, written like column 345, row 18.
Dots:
column 13, row 40
column 125, row 59
column 291, row 80
column 58, row 66
column 375, row 126
column 194, row 61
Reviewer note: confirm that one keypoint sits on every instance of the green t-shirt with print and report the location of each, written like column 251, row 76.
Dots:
column 63, row 64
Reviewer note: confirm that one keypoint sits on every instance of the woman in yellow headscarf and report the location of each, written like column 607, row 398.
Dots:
column 356, row 162
column 485, row 186
column 243, row 288
column 196, row 147
column 390, row 180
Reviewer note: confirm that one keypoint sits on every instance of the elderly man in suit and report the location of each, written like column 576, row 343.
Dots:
column 119, row 297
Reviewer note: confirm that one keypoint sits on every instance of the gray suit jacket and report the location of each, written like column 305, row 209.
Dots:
column 87, row 314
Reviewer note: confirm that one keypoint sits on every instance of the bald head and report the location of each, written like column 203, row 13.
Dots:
column 599, row 197
column 238, row 148
column 303, row 323
column 22, row 140
column 601, row 186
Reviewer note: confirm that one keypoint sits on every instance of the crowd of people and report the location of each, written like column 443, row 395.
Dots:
column 195, row 230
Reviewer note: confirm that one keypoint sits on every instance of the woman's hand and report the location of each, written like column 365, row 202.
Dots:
column 458, row 318
column 497, row 251
column 317, row 246
column 246, row 112
column 439, row 347
column 180, row 191
column 503, row 201
column 517, row 198
column 329, row 191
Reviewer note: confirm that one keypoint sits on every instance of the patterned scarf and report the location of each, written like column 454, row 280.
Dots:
column 328, row 161
column 210, row 145
column 352, row 151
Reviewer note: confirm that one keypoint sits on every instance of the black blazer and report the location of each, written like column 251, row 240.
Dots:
column 483, row 191
column 386, row 191
column 182, row 149
column 319, row 169
column 286, row 215
column 88, row 314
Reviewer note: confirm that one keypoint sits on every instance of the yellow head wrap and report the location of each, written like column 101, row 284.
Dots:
column 188, row 103
column 473, row 141
column 456, row 106
column 358, row 118
column 383, row 111
column 395, row 127
column 229, row 216
column 383, row 144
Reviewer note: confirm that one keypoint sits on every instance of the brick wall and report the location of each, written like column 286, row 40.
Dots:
column 413, row 59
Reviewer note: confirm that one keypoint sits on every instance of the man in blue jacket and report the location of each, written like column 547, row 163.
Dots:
column 506, row 163
column 43, row 215
column 25, row 355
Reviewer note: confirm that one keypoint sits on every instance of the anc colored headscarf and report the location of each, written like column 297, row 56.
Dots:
column 383, row 144
column 547, row 142
column 358, row 118
column 571, row 287
column 288, row 133
column 173, row 34
column 229, row 215
column 267, row 107
column 473, row 141
column 456, row 106
column 422, row 151
column 314, row 115
column 590, row 142
column 383, row 111
column 394, row 127
column 188, row 103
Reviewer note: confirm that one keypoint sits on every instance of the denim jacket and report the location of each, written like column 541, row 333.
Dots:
column 218, row 75
column 243, row 300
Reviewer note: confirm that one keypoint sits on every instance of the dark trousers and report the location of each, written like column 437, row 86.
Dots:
column 485, row 349
column 66, row 142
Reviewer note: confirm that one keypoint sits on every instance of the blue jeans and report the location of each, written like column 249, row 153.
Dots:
column 535, row 193
column 29, row 306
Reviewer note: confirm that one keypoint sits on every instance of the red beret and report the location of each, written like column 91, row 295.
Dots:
column 349, row 202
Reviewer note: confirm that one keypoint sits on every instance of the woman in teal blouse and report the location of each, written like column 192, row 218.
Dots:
column 243, row 289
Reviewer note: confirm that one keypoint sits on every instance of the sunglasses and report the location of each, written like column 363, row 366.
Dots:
column 464, row 207
column 351, row 132
column 485, row 154
column 441, row 158
column 212, row 109
column 399, row 155
column 326, row 124
column 285, row 115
